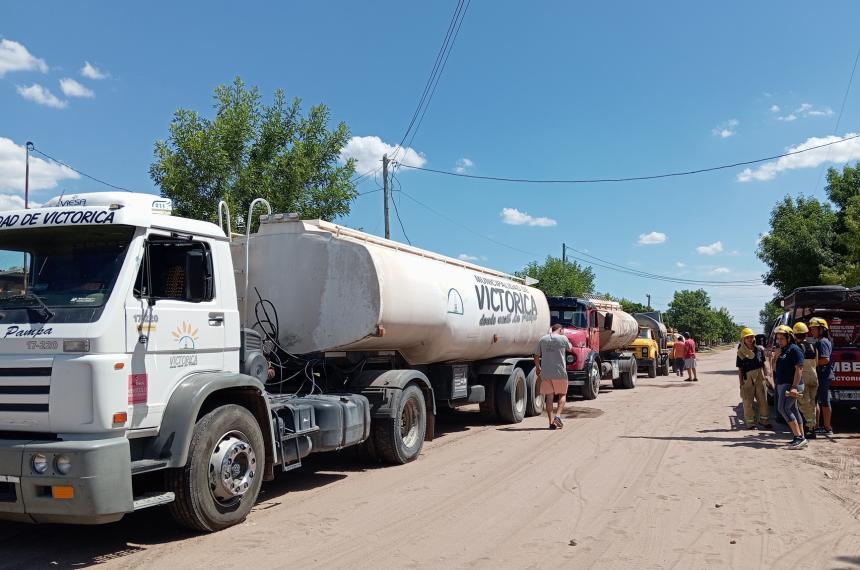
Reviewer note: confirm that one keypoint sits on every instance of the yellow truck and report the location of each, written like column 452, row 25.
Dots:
column 650, row 348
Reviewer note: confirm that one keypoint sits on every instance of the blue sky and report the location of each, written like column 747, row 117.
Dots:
column 542, row 90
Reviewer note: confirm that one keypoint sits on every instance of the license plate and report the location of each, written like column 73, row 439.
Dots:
column 846, row 394
column 9, row 479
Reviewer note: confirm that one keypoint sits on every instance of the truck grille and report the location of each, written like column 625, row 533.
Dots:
column 25, row 389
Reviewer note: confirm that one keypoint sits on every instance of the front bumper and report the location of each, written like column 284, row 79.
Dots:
column 100, row 476
column 576, row 377
column 643, row 363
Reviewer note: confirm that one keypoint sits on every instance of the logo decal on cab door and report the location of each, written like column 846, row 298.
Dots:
column 186, row 335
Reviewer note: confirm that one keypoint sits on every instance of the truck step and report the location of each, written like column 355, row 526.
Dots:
column 145, row 465
column 153, row 500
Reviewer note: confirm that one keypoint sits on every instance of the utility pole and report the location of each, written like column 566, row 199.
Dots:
column 564, row 253
column 649, row 300
column 29, row 147
column 386, row 192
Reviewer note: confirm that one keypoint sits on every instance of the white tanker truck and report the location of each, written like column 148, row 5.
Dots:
column 148, row 359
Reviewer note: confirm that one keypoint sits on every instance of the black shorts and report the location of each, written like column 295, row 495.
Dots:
column 823, row 395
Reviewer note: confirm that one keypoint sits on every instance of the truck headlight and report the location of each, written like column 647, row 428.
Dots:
column 39, row 463
column 76, row 345
column 571, row 359
column 63, row 464
column 645, row 352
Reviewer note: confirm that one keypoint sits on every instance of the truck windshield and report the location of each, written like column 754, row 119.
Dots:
column 59, row 274
column 577, row 318
column 644, row 333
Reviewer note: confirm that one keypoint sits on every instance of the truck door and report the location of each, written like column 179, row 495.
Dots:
column 179, row 322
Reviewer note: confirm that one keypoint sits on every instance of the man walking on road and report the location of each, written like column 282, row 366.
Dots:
column 690, row 358
column 551, row 368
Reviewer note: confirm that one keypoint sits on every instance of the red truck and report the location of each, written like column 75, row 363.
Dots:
column 841, row 308
column 600, row 333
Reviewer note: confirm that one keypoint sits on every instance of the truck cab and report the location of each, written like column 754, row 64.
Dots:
column 588, row 367
column 647, row 352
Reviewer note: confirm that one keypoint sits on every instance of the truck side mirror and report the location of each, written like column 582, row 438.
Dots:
column 607, row 322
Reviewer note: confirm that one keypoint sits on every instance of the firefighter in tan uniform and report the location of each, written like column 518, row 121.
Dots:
column 751, row 373
column 807, row 400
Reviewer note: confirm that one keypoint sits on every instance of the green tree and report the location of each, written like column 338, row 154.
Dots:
column 557, row 278
column 843, row 189
column 690, row 311
column 799, row 245
column 252, row 150
column 768, row 314
column 632, row 306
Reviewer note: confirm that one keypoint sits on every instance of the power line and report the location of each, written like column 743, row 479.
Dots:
column 647, row 274
column 587, row 262
column 435, row 72
column 93, row 178
column 839, row 116
column 629, row 178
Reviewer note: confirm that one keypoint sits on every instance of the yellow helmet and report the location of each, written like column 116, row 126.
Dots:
column 818, row 322
column 800, row 328
column 784, row 329
column 747, row 332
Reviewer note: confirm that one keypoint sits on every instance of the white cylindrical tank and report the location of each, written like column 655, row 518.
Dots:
column 337, row 289
column 624, row 328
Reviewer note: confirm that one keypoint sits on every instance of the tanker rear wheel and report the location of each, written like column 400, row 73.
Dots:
column 511, row 397
column 399, row 440
column 535, row 402
column 628, row 379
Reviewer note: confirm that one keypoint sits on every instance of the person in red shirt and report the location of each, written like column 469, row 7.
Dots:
column 690, row 358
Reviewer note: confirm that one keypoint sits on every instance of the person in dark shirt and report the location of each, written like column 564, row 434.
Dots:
column 789, row 383
column 820, row 331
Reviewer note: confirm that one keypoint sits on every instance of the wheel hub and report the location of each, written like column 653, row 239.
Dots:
column 409, row 423
column 232, row 467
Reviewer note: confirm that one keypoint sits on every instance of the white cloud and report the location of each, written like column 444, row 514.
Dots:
column 368, row 151
column 774, row 108
column 720, row 271
column 43, row 175
column 15, row 57
column 804, row 111
column 712, row 249
column 726, row 129
column 463, row 165
column 838, row 153
column 680, row 264
column 514, row 217
column 72, row 88
column 92, row 72
column 652, row 238
column 472, row 258
column 42, row 96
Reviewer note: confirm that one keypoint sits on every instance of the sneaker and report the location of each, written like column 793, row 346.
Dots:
column 557, row 421
column 797, row 443
column 765, row 426
column 828, row 431
column 553, row 426
column 820, row 430
column 752, row 426
column 810, row 435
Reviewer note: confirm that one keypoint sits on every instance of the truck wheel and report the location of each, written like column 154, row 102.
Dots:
column 399, row 440
column 222, row 477
column 535, row 401
column 488, row 406
column 628, row 379
column 665, row 368
column 511, row 397
column 592, row 383
column 652, row 369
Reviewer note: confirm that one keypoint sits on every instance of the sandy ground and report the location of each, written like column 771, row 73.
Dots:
column 656, row 477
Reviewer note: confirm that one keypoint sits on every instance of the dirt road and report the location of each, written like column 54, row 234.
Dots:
column 656, row 477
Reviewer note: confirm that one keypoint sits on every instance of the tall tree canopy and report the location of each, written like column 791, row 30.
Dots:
column 691, row 311
column 557, row 278
column 799, row 245
column 252, row 150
